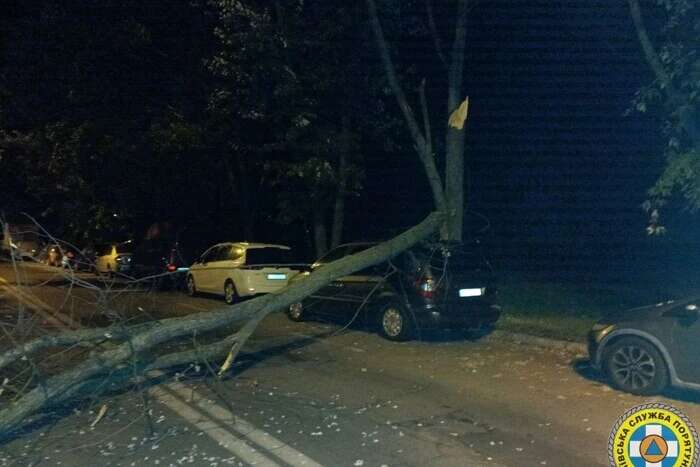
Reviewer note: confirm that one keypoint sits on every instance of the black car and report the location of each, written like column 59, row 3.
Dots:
column 427, row 287
column 643, row 350
column 160, row 262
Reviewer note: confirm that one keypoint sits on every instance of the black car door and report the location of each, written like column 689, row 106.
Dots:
column 329, row 300
column 684, row 343
column 362, row 287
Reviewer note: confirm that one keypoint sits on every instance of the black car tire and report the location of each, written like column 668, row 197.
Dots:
column 395, row 322
column 191, row 286
column 230, row 293
column 636, row 366
column 296, row 312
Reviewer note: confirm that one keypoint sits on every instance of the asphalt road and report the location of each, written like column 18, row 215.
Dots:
column 317, row 394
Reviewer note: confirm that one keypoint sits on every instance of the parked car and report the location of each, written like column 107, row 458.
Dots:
column 113, row 258
column 25, row 249
column 20, row 240
column 49, row 255
column 427, row 287
column 161, row 260
column 63, row 255
column 243, row 269
column 74, row 259
column 644, row 350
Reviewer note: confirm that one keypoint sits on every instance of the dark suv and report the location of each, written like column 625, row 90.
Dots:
column 161, row 262
column 426, row 287
column 645, row 349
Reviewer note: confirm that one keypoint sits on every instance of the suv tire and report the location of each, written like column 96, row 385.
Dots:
column 191, row 287
column 296, row 312
column 230, row 294
column 636, row 366
column 394, row 322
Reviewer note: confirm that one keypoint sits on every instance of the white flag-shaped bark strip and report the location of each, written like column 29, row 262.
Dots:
column 459, row 116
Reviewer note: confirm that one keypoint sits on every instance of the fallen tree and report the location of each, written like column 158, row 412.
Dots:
column 134, row 349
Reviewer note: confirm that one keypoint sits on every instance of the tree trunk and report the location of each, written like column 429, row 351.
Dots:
column 141, row 340
column 248, row 211
column 338, row 211
column 339, row 205
column 320, row 232
column 454, row 144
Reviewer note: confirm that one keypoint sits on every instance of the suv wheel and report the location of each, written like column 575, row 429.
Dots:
column 230, row 294
column 191, row 288
column 296, row 312
column 394, row 322
column 636, row 366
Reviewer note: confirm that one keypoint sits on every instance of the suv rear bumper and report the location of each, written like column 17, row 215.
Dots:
column 475, row 314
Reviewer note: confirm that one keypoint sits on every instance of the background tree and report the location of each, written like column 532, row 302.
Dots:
column 290, row 108
column 672, row 51
column 87, row 91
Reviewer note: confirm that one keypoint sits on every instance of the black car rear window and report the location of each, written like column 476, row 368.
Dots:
column 456, row 259
column 151, row 250
column 268, row 255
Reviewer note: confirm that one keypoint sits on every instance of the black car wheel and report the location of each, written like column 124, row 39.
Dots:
column 191, row 287
column 230, row 294
column 634, row 365
column 296, row 312
column 394, row 322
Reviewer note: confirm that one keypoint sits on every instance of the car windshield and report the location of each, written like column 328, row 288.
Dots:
column 268, row 255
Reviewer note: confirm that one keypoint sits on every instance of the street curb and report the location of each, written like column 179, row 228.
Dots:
column 538, row 341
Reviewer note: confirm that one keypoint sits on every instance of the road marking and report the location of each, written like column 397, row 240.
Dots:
column 263, row 439
column 212, row 429
column 175, row 395
column 53, row 316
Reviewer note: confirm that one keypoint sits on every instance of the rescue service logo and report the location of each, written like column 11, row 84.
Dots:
column 653, row 435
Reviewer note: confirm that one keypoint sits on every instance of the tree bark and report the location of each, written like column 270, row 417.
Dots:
column 339, row 205
column 320, row 232
column 454, row 144
column 248, row 211
column 140, row 344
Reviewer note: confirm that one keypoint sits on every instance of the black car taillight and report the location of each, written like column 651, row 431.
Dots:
column 171, row 267
column 426, row 285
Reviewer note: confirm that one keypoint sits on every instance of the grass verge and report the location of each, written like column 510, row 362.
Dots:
column 560, row 311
